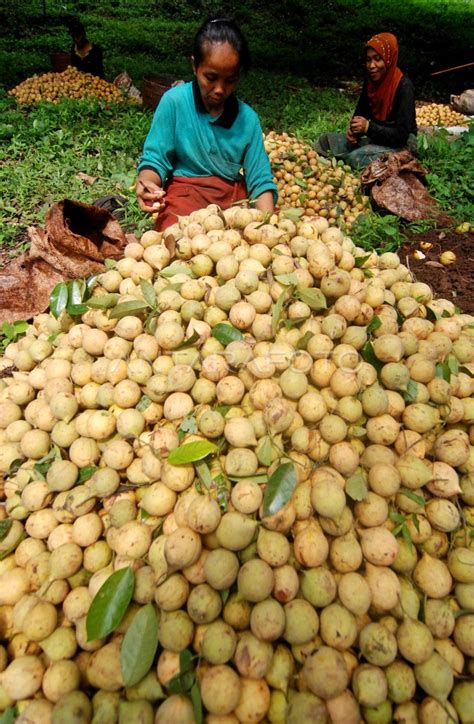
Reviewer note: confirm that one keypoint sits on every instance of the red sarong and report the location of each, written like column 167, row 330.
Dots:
column 185, row 194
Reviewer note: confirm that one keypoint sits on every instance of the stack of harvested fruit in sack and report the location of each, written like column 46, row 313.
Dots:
column 239, row 487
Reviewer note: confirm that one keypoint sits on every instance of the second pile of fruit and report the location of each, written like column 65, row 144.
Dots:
column 71, row 83
column 306, row 180
column 439, row 114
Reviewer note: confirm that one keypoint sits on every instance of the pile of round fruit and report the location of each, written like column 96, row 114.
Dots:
column 306, row 180
column 438, row 114
column 240, row 488
column 71, row 83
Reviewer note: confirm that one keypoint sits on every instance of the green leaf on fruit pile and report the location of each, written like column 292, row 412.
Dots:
column 110, row 603
column 222, row 492
column 301, row 183
column 139, row 646
column 411, row 392
column 303, row 342
column 360, row 260
column 76, row 291
column 189, row 424
column 58, row 299
column 91, row 283
column 195, row 337
column 191, row 452
column 453, row 364
column 368, row 355
column 171, row 271
column 9, row 715
column 314, row 298
column 292, row 323
column 431, row 315
column 375, row 323
column 197, row 703
column 149, row 293
column 443, row 371
column 15, row 330
column 204, row 474
column 415, row 521
column 276, row 312
column 407, row 537
column 183, row 682
column 397, row 517
column 143, row 403
column 87, row 473
column 356, row 486
column 106, row 301
column 418, row 499
column 9, row 551
column 110, row 263
column 226, row 333
column 222, row 409
column 292, row 214
column 42, row 466
column 15, row 465
column 265, row 454
column 287, row 279
column 133, row 308
column 279, row 490
column 5, row 526
column 75, row 310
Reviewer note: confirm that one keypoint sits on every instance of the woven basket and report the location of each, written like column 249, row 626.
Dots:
column 153, row 88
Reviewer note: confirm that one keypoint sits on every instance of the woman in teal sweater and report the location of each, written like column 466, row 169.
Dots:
column 205, row 145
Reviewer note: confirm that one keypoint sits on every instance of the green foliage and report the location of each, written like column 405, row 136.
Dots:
column 373, row 231
column 451, row 176
column 45, row 147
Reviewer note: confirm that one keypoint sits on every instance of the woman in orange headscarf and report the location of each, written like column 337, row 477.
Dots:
column 384, row 119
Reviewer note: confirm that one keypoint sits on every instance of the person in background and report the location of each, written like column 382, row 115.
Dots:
column 85, row 56
column 384, row 119
column 205, row 145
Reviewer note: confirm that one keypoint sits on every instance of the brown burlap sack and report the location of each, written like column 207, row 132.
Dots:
column 396, row 181
column 76, row 240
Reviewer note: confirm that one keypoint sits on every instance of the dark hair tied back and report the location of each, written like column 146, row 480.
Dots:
column 221, row 30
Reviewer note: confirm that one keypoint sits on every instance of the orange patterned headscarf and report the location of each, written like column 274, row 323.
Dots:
column 381, row 94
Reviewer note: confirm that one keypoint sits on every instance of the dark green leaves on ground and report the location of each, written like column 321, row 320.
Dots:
column 109, row 604
column 279, row 488
column 139, row 646
column 226, row 333
column 191, row 451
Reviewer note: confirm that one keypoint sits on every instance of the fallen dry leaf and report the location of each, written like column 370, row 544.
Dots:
column 434, row 263
column 89, row 180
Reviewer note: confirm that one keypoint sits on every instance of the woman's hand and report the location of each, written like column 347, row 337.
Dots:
column 149, row 192
column 351, row 138
column 359, row 125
